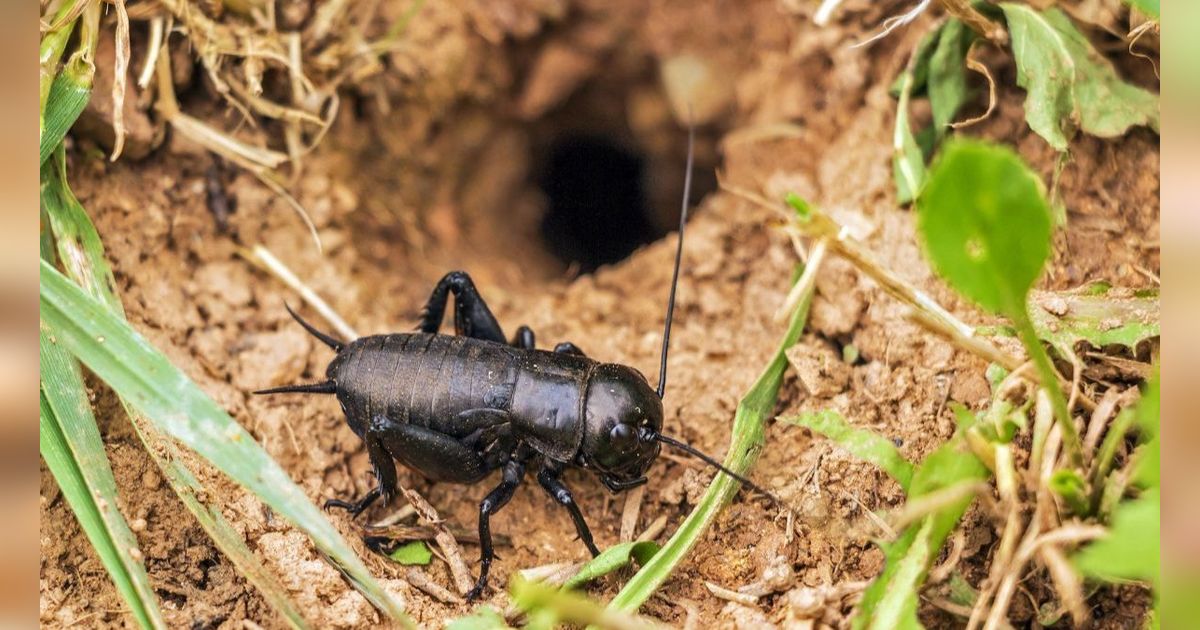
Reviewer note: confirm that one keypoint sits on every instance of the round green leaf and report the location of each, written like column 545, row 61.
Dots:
column 986, row 224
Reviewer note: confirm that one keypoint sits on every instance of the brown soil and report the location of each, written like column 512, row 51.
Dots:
column 442, row 179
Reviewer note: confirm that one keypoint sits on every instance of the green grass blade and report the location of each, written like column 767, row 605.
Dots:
column 70, row 444
column 752, row 413
column 891, row 599
column 613, row 558
column 861, row 443
column 69, row 94
column 79, row 247
column 160, row 391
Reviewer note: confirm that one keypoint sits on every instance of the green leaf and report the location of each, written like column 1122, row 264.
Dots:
column 861, row 443
column 550, row 605
column 753, row 411
column 1148, row 7
column 413, row 552
column 69, row 94
column 891, row 599
column 1131, row 550
column 146, row 379
column 1070, row 85
column 1115, row 318
column 1072, row 487
column 485, row 618
column 613, row 558
column 948, row 74
column 70, row 444
column 68, row 228
column 918, row 66
column 800, row 205
column 1147, row 474
column 986, row 224
column 908, row 162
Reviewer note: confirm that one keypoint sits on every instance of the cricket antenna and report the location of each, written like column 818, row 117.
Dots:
column 687, row 191
column 698, row 454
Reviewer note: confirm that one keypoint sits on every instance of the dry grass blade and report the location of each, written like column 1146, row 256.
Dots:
column 920, row 507
column 261, row 256
column 120, row 72
column 978, row 66
column 258, row 161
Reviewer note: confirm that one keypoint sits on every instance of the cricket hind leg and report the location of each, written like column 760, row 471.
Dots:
column 385, row 475
column 472, row 317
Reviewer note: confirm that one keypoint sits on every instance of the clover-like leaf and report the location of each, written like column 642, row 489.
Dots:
column 986, row 224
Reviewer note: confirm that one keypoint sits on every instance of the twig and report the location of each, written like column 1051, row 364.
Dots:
column 631, row 511
column 654, row 529
column 445, row 540
column 421, row 581
column 733, row 596
column 262, row 256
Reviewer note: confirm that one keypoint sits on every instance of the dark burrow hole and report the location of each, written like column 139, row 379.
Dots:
column 597, row 207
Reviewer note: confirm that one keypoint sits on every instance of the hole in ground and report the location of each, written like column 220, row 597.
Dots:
column 597, row 207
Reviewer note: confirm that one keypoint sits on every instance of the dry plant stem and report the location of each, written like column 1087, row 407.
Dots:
column 806, row 282
column 1066, row 581
column 1137, row 34
column 895, row 22
column 630, row 512
column 421, row 581
column 157, row 28
column 971, row 343
column 1043, row 421
column 1099, row 420
column 120, row 73
column 925, row 505
column 732, row 596
column 1066, row 535
column 261, row 256
column 257, row 161
column 654, row 529
column 978, row 66
column 982, row 25
column 445, row 540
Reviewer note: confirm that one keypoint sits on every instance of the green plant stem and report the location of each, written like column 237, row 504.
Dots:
column 49, row 53
column 1107, row 454
column 752, row 413
column 1049, row 378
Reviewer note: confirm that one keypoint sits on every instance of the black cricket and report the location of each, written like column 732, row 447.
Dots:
column 455, row 408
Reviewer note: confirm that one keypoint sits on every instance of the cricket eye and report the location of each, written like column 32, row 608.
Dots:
column 622, row 436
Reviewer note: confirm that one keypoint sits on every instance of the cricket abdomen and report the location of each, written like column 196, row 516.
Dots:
column 422, row 379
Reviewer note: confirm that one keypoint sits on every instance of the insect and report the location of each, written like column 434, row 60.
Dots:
column 456, row 408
